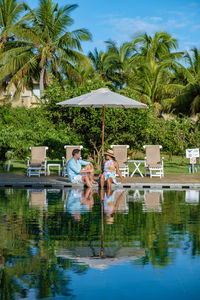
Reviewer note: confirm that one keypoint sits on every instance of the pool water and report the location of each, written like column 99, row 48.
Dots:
column 84, row 244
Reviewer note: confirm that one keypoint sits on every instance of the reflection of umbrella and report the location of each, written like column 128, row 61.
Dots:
column 102, row 98
column 98, row 256
column 91, row 255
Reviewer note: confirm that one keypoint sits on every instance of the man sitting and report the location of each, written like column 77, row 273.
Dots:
column 74, row 172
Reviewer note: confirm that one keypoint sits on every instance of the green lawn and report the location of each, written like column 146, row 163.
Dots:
column 176, row 165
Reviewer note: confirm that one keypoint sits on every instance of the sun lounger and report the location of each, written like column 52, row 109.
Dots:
column 38, row 163
column 153, row 161
column 120, row 153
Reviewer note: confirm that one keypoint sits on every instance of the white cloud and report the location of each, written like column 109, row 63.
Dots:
column 126, row 28
column 195, row 27
column 156, row 19
column 183, row 24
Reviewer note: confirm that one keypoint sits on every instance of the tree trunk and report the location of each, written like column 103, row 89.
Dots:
column 42, row 82
column 9, row 163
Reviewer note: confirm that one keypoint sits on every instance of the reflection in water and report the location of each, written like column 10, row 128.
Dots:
column 152, row 201
column 100, row 257
column 113, row 201
column 78, row 202
column 192, row 196
column 91, row 256
column 38, row 199
column 44, row 250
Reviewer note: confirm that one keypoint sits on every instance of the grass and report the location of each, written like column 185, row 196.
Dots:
column 177, row 165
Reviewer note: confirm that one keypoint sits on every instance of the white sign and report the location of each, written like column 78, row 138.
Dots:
column 192, row 160
column 192, row 153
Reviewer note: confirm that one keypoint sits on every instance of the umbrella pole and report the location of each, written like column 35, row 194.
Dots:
column 102, row 232
column 103, row 123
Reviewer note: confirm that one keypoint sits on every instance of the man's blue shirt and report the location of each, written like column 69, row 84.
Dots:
column 74, row 167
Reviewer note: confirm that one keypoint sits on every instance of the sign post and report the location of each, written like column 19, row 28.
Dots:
column 192, row 154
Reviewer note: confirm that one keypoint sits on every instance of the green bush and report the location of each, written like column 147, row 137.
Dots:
column 22, row 128
column 55, row 126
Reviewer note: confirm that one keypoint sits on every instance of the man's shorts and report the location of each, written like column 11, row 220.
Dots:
column 78, row 178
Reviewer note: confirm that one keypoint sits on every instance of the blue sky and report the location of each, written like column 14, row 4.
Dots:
column 122, row 20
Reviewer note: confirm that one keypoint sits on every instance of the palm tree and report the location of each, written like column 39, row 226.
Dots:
column 99, row 62
column 188, row 100
column 151, row 68
column 118, row 62
column 158, row 47
column 10, row 11
column 44, row 45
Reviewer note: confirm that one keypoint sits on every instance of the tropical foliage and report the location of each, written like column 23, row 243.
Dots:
column 44, row 45
column 37, row 45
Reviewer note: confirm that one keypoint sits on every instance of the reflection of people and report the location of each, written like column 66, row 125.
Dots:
column 111, row 203
column 74, row 172
column 111, row 167
column 78, row 202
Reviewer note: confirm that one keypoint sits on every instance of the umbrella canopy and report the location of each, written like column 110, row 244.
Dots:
column 102, row 98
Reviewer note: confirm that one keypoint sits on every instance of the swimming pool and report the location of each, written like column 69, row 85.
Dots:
column 64, row 244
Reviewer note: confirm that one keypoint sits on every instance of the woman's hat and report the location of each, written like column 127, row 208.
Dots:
column 110, row 153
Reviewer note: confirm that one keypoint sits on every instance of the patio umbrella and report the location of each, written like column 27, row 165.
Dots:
column 103, row 98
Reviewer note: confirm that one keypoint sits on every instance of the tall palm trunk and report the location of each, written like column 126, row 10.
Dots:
column 42, row 72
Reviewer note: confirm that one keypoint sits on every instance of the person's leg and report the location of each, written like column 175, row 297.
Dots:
column 109, row 182
column 102, row 180
column 91, row 174
column 86, row 180
column 102, row 194
column 87, row 193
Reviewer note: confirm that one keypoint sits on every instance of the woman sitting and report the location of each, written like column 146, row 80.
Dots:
column 111, row 167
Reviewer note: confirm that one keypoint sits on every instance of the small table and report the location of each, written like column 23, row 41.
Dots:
column 33, row 171
column 53, row 165
column 137, row 164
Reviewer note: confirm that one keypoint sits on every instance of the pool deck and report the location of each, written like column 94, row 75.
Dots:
column 175, row 181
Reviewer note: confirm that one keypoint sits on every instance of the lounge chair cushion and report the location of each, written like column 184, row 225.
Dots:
column 158, row 165
column 35, row 165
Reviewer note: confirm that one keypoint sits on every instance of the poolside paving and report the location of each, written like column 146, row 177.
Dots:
column 171, row 181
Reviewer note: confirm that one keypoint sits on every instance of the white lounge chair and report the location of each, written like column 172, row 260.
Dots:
column 153, row 161
column 120, row 153
column 38, row 163
column 69, row 149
